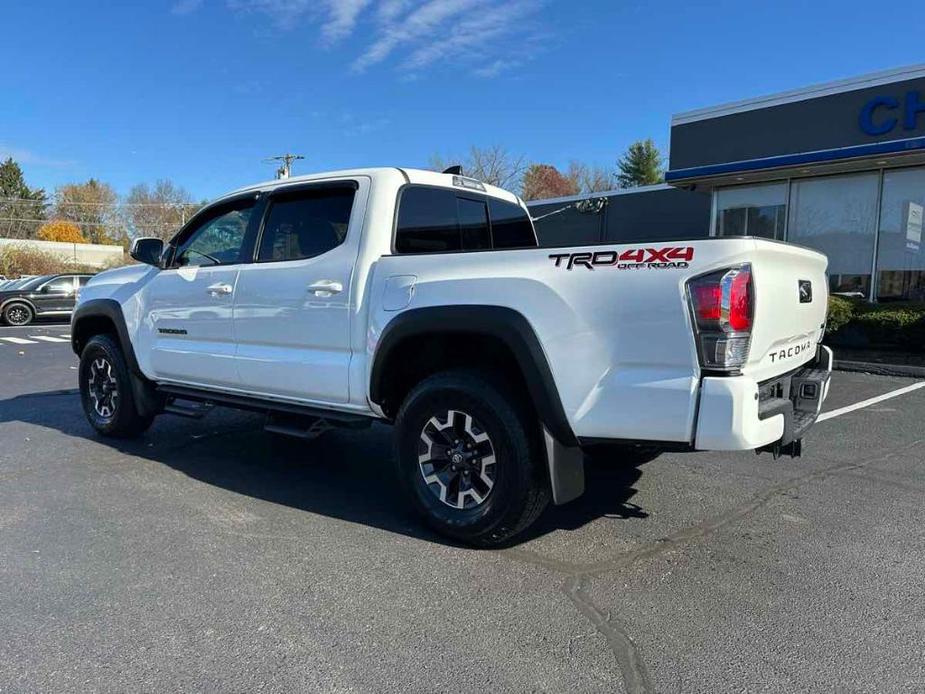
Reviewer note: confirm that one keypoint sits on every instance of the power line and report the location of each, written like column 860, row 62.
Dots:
column 285, row 170
column 90, row 224
column 65, row 203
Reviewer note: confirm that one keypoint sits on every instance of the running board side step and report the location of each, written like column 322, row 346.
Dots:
column 299, row 427
column 207, row 399
column 190, row 409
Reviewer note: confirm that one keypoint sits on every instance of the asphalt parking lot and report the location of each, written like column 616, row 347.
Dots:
column 212, row 556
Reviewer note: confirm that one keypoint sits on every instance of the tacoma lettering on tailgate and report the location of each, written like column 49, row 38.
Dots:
column 789, row 352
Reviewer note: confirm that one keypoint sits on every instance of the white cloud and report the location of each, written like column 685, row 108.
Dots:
column 338, row 17
column 183, row 7
column 496, row 68
column 477, row 32
column 28, row 157
column 496, row 34
column 419, row 23
column 390, row 9
column 342, row 17
column 352, row 128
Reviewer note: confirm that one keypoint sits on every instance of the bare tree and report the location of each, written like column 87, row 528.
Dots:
column 159, row 210
column 93, row 207
column 492, row 165
column 590, row 179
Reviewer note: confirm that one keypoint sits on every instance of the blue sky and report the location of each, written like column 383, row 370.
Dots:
column 200, row 91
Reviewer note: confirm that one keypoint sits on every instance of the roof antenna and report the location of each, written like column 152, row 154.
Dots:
column 456, row 170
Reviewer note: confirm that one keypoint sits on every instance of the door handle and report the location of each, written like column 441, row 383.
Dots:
column 325, row 288
column 220, row 289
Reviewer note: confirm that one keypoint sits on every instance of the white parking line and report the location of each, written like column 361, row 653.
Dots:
column 35, row 339
column 47, row 338
column 870, row 401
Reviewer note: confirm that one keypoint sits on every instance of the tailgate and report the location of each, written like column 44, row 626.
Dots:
column 790, row 305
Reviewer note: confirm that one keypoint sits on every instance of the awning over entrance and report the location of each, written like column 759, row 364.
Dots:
column 868, row 122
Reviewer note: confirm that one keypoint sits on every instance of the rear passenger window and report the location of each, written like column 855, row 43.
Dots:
column 440, row 220
column 473, row 223
column 428, row 221
column 305, row 224
column 510, row 225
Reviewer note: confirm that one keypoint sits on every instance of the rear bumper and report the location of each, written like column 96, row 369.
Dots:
column 738, row 413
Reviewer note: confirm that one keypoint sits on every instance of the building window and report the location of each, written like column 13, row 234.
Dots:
column 900, row 257
column 837, row 215
column 752, row 211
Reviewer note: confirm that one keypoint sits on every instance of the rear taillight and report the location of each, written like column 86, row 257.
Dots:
column 722, row 304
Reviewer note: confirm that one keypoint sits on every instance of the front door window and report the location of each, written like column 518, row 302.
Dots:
column 218, row 241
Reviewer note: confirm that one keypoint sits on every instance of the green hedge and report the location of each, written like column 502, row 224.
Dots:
column 859, row 324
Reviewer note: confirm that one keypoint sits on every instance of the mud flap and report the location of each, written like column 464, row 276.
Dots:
column 566, row 469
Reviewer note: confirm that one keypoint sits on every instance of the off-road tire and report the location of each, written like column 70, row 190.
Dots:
column 520, row 489
column 103, row 356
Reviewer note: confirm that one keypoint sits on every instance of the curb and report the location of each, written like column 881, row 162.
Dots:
column 880, row 369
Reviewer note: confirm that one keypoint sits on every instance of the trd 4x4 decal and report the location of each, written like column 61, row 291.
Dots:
column 632, row 259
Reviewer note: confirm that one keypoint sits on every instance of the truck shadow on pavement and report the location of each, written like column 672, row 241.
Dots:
column 344, row 474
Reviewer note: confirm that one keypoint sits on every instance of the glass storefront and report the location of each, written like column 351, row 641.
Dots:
column 900, row 258
column 838, row 215
column 752, row 211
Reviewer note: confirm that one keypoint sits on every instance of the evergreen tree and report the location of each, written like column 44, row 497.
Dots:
column 20, row 205
column 641, row 165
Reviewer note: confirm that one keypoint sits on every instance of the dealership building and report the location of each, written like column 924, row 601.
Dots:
column 839, row 167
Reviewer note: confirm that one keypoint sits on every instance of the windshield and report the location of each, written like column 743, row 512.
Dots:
column 30, row 283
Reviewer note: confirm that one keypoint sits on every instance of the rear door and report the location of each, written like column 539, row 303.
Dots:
column 293, row 305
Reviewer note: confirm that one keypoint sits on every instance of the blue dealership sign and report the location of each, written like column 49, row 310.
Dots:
column 882, row 114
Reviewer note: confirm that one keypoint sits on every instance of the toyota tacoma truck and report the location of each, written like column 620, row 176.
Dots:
column 422, row 300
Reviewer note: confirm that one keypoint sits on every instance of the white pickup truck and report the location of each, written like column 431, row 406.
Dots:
column 422, row 299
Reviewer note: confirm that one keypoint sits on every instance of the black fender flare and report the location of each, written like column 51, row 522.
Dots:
column 147, row 399
column 111, row 310
column 506, row 324
column 19, row 300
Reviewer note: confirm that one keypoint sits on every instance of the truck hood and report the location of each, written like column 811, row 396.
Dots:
column 121, row 275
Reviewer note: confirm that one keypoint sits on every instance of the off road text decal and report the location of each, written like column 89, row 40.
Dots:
column 665, row 258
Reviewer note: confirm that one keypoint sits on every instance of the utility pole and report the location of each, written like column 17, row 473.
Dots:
column 285, row 170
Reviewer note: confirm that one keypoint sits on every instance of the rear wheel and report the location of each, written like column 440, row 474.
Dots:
column 18, row 314
column 106, row 390
column 467, row 460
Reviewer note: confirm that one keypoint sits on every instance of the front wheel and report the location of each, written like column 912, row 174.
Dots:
column 467, row 461
column 18, row 314
column 106, row 390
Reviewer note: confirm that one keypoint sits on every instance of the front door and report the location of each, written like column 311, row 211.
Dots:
column 189, row 305
column 55, row 296
column 292, row 306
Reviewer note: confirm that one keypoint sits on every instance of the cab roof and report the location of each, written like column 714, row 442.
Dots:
column 416, row 176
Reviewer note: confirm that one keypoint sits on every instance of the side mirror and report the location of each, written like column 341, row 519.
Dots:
column 147, row 250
